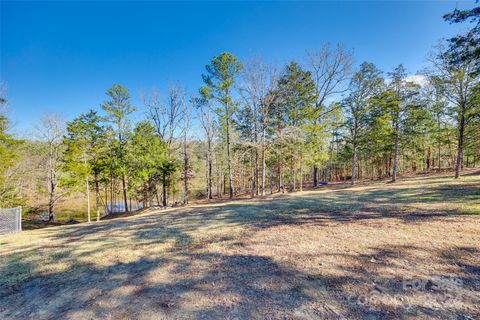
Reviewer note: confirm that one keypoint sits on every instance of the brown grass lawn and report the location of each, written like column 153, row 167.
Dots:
column 379, row 251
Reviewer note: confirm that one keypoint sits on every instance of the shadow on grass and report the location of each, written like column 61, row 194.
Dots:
column 195, row 285
column 320, row 209
column 187, row 281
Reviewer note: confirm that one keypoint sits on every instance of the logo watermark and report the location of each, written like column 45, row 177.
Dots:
column 437, row 291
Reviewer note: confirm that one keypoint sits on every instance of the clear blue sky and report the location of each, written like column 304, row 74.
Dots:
column 61, row 56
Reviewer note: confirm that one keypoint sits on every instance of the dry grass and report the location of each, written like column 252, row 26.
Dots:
column 335, row 253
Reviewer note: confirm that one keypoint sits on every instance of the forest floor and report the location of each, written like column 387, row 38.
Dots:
column 376, row 251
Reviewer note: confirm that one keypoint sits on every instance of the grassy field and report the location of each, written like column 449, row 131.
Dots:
column 377, row 251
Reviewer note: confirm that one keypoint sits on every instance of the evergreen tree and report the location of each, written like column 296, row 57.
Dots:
column 458, row 81
column 84, row 156
column 466, row 47
column 365, row 84
column 295, row 108
column 219, row 80
column 147, row 156
column 118, row 107
column 402, row 101
column 8, row 158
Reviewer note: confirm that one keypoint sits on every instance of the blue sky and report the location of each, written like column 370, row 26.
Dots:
column 62, row 56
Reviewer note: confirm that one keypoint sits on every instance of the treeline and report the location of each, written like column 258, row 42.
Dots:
column 253, row 128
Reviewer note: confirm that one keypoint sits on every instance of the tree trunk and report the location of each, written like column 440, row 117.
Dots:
column 224, row 183
column 88, row 199
column 271, row 183
column 87, row 184
column 256, row 184
column 164, row 199
column 219, row 183
column 282, row 178
column 354, row 156
column 395, row 155
column 97, row 198
column 209, row 186
column 253, row 189
column 52, row 184
column 439, row 158
column 301, row 172
column 242, row 174
column 230, row 175
column 263, row 163
column 185, row 172
column 111, row 191
column 461, row 132
column 107, row 209
column 292, row 177
column 124, row 186
column 429, row 158
column 257, row 178
column 51, row 203
column 315, row 176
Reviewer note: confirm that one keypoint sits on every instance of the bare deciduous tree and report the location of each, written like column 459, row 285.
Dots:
column 51, row 131
column 331, row 67
column 258, row 90
column 209, row 127
column 167, row 116
column 186, row 122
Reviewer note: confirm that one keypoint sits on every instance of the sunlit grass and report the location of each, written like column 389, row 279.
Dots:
column 310, row 232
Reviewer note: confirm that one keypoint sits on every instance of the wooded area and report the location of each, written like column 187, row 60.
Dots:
column 255, row 128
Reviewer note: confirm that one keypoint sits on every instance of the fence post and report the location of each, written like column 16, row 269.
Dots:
column 19, row 211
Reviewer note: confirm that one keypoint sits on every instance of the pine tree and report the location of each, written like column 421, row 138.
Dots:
column 219, row 80
column 365, row 84
column 118, row 107
column 83, row 158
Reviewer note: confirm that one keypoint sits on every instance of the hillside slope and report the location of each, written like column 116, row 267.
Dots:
column 378, row 251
